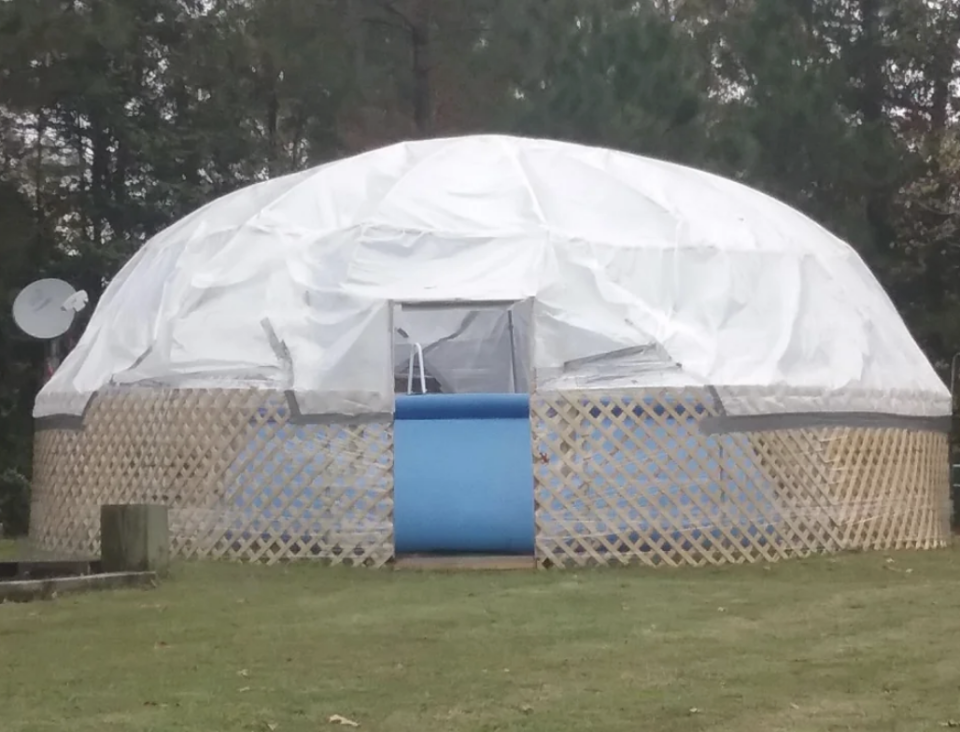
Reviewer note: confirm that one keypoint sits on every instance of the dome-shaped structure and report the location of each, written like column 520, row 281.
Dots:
column 505, row 265
column 703, row 280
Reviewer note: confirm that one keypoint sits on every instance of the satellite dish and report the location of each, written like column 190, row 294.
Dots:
column 76, row 302
column 46, row 308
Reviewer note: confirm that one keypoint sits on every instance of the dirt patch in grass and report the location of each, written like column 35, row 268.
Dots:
column 853, row 642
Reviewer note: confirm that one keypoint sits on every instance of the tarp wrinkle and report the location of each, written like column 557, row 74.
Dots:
column 628, row 273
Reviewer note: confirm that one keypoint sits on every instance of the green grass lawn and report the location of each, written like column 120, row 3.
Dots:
column 8, row 549
column 863, row 642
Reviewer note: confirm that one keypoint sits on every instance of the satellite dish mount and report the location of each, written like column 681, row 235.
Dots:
column 45, row 310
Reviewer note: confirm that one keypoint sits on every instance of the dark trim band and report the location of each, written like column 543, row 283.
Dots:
column 73, row 422
column 298, row 417
column 725, row 424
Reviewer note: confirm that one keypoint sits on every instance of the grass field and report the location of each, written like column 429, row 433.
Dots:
column 8, row 549
column 861, row 642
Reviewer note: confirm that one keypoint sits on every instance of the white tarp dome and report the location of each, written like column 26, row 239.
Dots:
column 628, row 272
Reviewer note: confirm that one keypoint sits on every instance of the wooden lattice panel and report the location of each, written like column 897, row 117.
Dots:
column 798, row 470
column 892, row 487
column 240, row 479
column 631, row 477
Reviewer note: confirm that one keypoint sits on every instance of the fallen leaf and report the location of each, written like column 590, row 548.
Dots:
column 795, row 706
column 243, row 689
column 337, row 719
column 243, row 672
column 270, row 725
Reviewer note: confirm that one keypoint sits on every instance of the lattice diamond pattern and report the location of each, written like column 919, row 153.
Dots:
column 630, row 477
column 618, row 478
column 240, row 480
column 892, row 487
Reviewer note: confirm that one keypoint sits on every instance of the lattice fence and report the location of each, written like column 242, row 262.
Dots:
column 619, row 478
column 242, row 481
column 631, row 477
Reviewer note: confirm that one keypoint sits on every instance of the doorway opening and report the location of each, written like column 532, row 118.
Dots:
column 463, row 471
column 462, row 348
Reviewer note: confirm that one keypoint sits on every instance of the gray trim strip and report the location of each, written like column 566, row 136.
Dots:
column 298, row 417
column 456, row 304
column 725, row 424
column 280, row 349
column 72, row 422
column 718, row 425
column 717, row 401
column 576, row 363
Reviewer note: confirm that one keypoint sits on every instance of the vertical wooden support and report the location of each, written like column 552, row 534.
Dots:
column 134, row 538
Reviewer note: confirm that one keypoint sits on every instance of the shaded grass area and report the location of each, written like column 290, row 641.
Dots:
column 865, row 641
column 8, row 550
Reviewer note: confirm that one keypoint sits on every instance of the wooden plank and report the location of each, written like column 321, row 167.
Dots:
column 38, row 569
column 134, row 538
column 458, row 563
column 48, row 589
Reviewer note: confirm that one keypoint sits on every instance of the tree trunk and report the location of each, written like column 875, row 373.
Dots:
column 872, row 58
column 422, row 91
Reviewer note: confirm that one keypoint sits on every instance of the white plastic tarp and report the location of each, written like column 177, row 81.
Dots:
column 640, row 273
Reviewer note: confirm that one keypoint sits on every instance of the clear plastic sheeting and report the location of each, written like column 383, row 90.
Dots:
column 466, row 350
column 634, row 272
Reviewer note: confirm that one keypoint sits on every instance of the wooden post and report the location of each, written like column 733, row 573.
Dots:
column 134, row 538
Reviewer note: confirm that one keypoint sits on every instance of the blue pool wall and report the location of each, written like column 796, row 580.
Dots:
column 464, row 480
column 463, row 474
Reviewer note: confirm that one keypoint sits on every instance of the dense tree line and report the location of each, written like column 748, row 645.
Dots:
column 118, row 116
